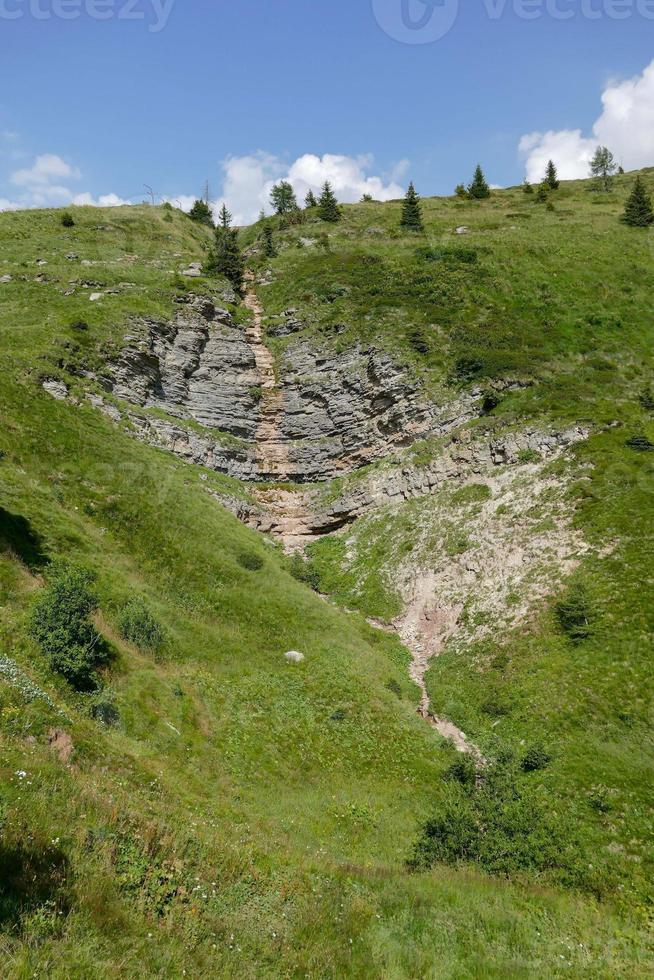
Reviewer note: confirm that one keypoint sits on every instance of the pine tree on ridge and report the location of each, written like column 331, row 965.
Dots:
column 411, row 210
column 638, row 212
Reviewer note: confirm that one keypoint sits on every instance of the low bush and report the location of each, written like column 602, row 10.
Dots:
column 250, row 561
column 305, row 571
column 462, row 771
column 504, row 824
column 574, row 614
column 61, row 624
column 453, row 254
column 137, row 625
column 646, row 399
column 535, row 758
column 67, row 220
column 640, row 443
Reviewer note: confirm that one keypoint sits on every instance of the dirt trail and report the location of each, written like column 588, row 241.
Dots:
column 424, row 628
column 287, row 512
column 272, row 448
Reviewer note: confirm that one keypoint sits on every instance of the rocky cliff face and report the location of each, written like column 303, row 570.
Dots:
column 299, row 516
column 318, row 414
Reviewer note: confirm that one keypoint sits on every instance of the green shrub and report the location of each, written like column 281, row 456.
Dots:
column 452, row 254
column 67, row 220
column 574, row 614
column 250, row 561
column 394, row 687
column 419, row 340
column 305, row 571
column 137, row 625
column 462, row 771
column 467, row 368
column 640, row 443
column 646, row 399
column 61, row 625
column 535, row 758
column 503, row 824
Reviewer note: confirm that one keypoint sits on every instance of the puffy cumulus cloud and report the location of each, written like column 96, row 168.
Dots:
column 45, row 184
column 46, row 170
column 103, row 201
column 626, row 126
column 248, row 180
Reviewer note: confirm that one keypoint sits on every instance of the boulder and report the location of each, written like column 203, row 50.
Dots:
column 293, row 657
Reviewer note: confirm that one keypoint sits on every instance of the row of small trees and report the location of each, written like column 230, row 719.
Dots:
column 284, row 201
column 603, row 168
column 226, row 258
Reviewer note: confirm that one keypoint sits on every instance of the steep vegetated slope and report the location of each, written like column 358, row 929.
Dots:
column 447, row 434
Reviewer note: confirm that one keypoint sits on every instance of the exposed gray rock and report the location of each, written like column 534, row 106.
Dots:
column 328, row 412
column 5, row 278
column 289, row 325
column 299, row 516
column 57, row 389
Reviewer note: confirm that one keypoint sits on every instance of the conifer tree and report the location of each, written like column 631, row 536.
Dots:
column 411, row 211
column 479, row 188
column 269, row 247
column 310, row 200
column 226, row 258
column 201, row 212
column 602, row 168
column 282, row 198
column 551, row 177
column 367, row 199
column 460, row 190
column 526, row 187
column 638, row 210
column 328, row 205
column 542, row 197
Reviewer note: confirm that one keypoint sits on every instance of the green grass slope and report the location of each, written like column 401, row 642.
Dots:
column 213, row 810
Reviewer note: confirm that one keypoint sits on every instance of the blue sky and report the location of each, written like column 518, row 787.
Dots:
column 167, row 98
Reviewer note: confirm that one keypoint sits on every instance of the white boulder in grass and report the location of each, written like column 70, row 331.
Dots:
column 294, row 657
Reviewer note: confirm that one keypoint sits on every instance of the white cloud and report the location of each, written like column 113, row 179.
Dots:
column 248, row 180
column 626, row 126
column 45, row 184
column 103, row 201
column 46, row 169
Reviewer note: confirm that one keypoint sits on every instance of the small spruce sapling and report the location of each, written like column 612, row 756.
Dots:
column 201, row 212
column 479, row 189
column 269, row 246
column 638, row 210
column 328, row 206
column 226, row 258
column 552, row 177
column 411, row 211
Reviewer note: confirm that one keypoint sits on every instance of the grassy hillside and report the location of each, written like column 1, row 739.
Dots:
column 211, row 809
